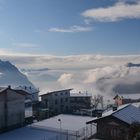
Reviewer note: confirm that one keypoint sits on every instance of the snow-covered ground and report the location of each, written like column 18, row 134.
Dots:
column 61, row 127
column 27, row 133
column 68, row 122
column 71, row 125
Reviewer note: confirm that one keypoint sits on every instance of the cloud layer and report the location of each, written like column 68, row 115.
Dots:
column 98, row 74
column 120, row 10
column 72, row 29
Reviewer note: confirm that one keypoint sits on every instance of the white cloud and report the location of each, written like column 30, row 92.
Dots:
column 119, row 11
column 71, row 29
column 94, row 73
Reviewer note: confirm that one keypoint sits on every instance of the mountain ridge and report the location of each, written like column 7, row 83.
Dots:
column 10, row 75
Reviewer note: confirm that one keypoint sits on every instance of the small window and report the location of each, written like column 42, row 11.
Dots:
column 56, row 102
column 61, row 93
column 55, row 94
column 61, row 100
column 56, row 111
column 66, row 99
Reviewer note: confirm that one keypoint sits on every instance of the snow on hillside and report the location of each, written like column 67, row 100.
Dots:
column 10, row 75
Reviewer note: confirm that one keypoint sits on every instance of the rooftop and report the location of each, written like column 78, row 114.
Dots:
column 57, row 91
column 2, row 89
column 80, row 94
column 30, row 90
column 126, row 113
column 129, row 96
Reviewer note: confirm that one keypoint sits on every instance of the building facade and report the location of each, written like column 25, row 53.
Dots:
column 57, row 101
column 80, row 101
column 12, row 109
column 32, row 92
column 126, row 98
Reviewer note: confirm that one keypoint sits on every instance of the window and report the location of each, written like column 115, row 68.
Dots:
column 66, row 108
column 56, row 102
column 61, row 100
column 55, row 94
column 66, row 99
column 56, row 111
column 61, row 93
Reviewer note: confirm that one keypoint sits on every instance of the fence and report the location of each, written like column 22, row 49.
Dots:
column 63, row 134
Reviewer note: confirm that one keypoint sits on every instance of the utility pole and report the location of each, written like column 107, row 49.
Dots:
column 60, row 128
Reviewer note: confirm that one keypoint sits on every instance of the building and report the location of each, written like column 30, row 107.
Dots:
column 57, row 101
column 115, row 124
column 28, row 111
column 32, row 92
column 80, row 101
column 12, row 108
column 126, row 98
column 40, row 110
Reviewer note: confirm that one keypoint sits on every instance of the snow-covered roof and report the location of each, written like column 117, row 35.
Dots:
column 137, row 104
column 2, row 89
column 126, row 113
column 30, row 90
column 130, row 96
column 129, row 114
column 80, row 94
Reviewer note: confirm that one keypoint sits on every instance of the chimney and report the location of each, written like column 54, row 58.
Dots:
column 114, row 108
column 9, row 86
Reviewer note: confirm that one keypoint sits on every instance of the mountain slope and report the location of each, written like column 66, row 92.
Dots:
column 10, row 75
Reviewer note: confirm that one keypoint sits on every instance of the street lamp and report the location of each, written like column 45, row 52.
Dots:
column 60, row 128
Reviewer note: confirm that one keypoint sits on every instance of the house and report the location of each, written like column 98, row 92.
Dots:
column 115, row 124
column 40, row 110
column 126, row 98
column 12, row 108
column 118, row 100
column 32, row 92
column 28, row 111
column 80, row 101
column 57, row 101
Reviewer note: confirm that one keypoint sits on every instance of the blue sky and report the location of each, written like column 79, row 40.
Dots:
column 66, row 27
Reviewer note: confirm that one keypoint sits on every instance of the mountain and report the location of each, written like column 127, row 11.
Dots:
column 132, row 65
column 10, row 75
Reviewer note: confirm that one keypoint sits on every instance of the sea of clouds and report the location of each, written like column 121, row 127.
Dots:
column 98, row 74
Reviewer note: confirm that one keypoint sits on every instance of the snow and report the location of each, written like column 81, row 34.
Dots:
column 30, row 90
column 80, row 95
column 49, row 129
column 126, row 113
column 10, row 75
column 27, row 133
column 68, row 122
column 109, row 112
column 130, row 96
column 136, row 104
column 129, row 114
